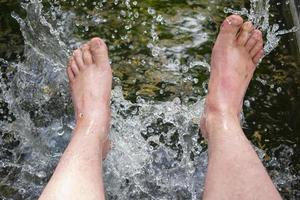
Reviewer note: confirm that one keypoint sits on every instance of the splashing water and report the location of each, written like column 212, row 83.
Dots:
column 150, row 163
column 157, row 152
column 259, row 15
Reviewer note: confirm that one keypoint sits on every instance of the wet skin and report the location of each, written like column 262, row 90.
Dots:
column 237, row 51
column 90, row 79
column 234, row 170
column 235, row 55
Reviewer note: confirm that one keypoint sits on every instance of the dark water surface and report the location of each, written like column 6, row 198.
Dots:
column 135, row 35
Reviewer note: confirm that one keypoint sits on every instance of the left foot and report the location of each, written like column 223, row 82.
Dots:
column 90, row 78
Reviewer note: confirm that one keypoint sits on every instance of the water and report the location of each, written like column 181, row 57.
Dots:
column 160, row 55
column 259, row 15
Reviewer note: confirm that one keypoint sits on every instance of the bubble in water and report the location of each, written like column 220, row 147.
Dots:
column 151, row 11
column 279, row 89
column 247, row 103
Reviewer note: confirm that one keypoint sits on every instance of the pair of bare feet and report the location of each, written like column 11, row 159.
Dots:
column 238, row 49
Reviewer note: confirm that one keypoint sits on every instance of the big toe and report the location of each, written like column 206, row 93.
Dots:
column 230, row 28
column 99, row 52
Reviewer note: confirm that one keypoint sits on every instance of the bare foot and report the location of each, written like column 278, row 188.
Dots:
column 90, row 79
column 235, row 55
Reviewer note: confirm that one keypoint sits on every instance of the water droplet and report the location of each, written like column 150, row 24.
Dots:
column 279, row 89
column 60, row 133
column 159, row 18
column 247, row 103
column 136, row 15
column 151, row 11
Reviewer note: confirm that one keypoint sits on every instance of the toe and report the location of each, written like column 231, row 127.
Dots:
column 86, row 54
column 245, row 33
column 99, row 52
column 257, row 47
column 258, row 56
column 254, row 38
column 230, row 28
column 79, row 59
column 74, row 67
column 71, row 75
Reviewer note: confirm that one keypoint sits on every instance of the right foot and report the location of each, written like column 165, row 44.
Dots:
column 90, row 79
column 236, row 53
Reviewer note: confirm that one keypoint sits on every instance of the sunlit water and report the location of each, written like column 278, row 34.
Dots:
column 157, row 152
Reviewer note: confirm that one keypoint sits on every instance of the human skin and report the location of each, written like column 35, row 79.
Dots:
column 79, row 172
column 234, row 169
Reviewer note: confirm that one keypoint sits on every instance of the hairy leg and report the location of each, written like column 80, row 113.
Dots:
column 234, row 169
column 79, row 172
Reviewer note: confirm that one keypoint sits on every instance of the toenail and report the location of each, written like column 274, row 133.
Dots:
column 229, row 21
column 234, row 20
column 248, row 26
column 70, row 61
column 76, row 52
column 256, row 36
column 258, row 32
column 97, row 44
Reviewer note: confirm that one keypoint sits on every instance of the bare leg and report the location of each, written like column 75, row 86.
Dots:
column 79, row 172
column 234, row 169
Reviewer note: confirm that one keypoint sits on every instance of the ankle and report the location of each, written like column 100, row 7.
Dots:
column 219, row 106
column 95, row 126
column 219, row 122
